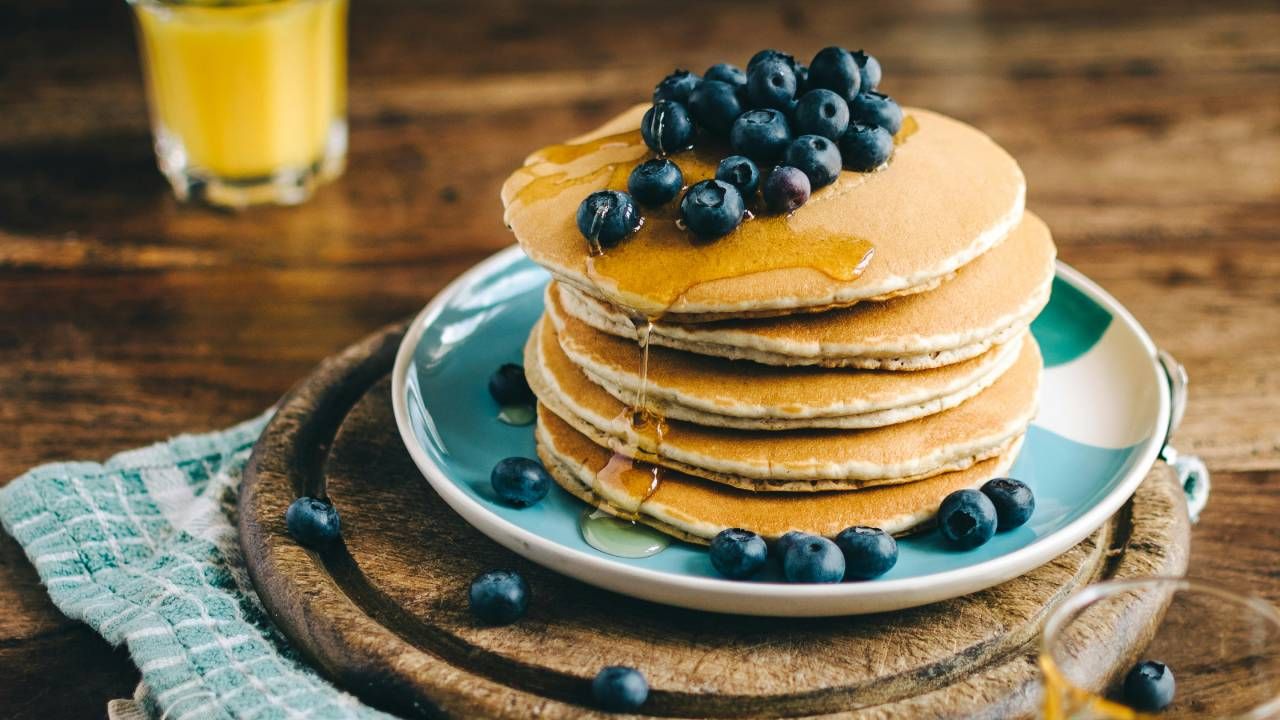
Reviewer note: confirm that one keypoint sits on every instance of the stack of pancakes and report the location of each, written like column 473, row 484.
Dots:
column 786, row 398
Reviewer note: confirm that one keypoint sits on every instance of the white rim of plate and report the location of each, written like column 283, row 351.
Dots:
column 764, row 598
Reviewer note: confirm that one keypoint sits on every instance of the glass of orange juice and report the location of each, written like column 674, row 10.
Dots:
column 247, row 97
column 1206, row 653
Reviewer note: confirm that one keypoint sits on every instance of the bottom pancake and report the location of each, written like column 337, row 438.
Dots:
column 695, row 510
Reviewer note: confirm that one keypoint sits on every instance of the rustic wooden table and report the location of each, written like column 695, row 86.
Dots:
column 1149, row 133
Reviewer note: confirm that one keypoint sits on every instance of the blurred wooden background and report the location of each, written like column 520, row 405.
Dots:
column 1149, row 133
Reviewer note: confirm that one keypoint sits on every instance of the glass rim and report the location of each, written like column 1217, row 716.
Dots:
column 1072, row 606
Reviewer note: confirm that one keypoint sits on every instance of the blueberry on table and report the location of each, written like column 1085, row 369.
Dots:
column 770, row 54
column 726, row 73
column 1014, row 502
column 868, row 68
column 821, row 112
column 873, row 108
column 761, row 135
column 712, row 208
column 1149, row 686
column 740, row 172
column 676, row 86
column 772, row 84
column 666, row 127
column 738, row 553
column 868, row 552
column 620, row 689
column 608, row 216
column 520, row 481
column 813, row 559
column 864, row 148
column 499, row 597
column 313, row 522
column 967, row 519
column 508, row 386
column 655, row 182
column 785, row 189
column 815, row 156
column 834, row 69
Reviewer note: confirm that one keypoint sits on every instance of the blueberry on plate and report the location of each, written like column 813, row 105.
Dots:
column 770, row 54
column 1014, row 502
column 784, row 543
column 620, row 689
column 508, row 386
column 1149, row 686
column 785, row 189
column 608, row 216
column 815, row 156
column 499, row 597
column 726, row 73
column 868, row 68
column 712, row 208
column 313, row 522
column 655, row 182
column 676, row 86
column 740, row 172
column 834, row 69
column 761, row 135
column 666, row 127
column 714, row 105
column 967, row 519
column 868, row 552
column 813, row 559
column 738, row 553
column 873, row 108
column 772, row 84
column 520, row 481
column 864, row 148
column 821, row 112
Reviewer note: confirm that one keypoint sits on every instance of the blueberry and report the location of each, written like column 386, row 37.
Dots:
column 520, row 481
column 715, row 105
column 785, row 542
column 499, row 597
column 868, row 552
column 1013, row 500
column 761, row 135
column 873, row 108
column 821, row 112
column 608, row 216
column 868, row 68
column 655, row 182
column 726, row 73
column 676, row 86
column 313, row 522
column 508, row 386
column 740, row 172
column 712, row 208
column 813, row 559
column 667, row 127
column 834, row 68
column 1149, row 686
column 802, row 79
column 967, row 519
column 764, row 55
column 738, row 553
column 816, row 157
column 785, row 189
column 620, row 689
column 772, row 84
column 865, row 147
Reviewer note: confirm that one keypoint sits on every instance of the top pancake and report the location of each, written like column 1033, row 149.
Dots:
column 948, row 194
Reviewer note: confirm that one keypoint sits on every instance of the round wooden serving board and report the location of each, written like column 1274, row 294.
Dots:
column 384, row 614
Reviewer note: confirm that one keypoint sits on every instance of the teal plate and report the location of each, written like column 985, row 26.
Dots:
column 1103, row 419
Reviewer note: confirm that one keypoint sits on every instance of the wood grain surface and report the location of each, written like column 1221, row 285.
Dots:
column 385, row 613
column 1149, row 133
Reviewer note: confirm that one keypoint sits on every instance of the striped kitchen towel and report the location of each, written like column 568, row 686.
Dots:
column 143, row 548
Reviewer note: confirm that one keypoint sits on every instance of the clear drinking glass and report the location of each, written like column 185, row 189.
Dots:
column 247, row 97
column 1222, row 648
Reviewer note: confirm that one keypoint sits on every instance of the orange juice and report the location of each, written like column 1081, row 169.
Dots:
column 243, row 92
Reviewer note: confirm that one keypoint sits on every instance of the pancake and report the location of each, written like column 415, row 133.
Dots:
column 988, row 302
column 794, row 460
column 695, row 511
column 737, row 394
column 946, row 196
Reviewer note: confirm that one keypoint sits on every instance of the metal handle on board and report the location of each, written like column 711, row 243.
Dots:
column 1191, row 470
